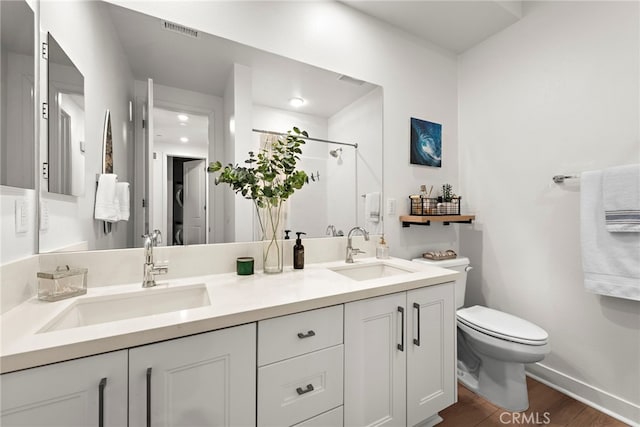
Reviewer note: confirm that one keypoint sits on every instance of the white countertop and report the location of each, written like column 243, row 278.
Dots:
column 234, row 300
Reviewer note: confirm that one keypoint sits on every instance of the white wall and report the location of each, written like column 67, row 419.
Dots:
column 85, row 32
column 554, row 93
column 16, row 245
column 418, row 80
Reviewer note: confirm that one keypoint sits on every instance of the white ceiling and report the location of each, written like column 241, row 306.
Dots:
column 168, row 129
column 203, row 65
column 453, row 25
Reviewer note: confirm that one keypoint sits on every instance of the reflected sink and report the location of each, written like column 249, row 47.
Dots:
column 370, row 271
column 109, row 308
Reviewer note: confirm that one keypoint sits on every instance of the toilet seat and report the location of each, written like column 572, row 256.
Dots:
column 502, row 325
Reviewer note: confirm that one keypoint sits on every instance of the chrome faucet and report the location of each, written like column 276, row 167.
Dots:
column 150, row 269
column 331, row 230
column 351, row 251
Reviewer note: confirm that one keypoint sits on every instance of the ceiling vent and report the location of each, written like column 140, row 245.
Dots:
column 180, row 29
column 351, row 80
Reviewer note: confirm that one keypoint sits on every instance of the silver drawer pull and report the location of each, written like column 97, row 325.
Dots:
column 307, row 335
column 306, row 390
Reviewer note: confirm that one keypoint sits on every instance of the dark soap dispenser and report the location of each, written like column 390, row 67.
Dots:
column 298, row 253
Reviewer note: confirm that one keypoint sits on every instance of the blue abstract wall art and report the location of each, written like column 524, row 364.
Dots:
column 426, row 143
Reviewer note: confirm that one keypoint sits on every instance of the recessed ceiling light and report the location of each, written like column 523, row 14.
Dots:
column 183, row 117
column 296, row 102
column 184, row 139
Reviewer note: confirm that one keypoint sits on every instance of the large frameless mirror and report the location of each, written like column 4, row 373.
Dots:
column 17, row 131
column 179, row 99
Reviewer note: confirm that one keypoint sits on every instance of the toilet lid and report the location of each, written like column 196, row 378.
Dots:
column 502, row 325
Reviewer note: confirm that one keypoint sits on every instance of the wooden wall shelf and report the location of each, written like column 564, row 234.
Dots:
column 408, row 220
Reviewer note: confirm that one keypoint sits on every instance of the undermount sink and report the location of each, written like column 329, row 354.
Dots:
column 376, row 270
column 109, row 308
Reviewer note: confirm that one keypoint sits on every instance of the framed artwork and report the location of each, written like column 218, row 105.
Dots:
column 426, row 143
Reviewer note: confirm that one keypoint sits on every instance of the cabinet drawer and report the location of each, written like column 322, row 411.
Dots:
column 297, row 389
column 289, row 336
column 333, row 418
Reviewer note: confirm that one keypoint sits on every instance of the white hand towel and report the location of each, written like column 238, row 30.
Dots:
column 122, row 197
column 106, row 209
column 621, row 194
column 372, row 207
column 609, row 260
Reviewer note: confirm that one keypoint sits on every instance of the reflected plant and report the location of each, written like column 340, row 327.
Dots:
column 268, row 178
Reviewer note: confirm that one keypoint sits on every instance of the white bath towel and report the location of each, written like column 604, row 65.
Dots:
column 609, row 260
column 106, row 206
column 621, row 195
column 372, row 207
column 123, row 203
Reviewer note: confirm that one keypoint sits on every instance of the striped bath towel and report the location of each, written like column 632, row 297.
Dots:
column 621, row 198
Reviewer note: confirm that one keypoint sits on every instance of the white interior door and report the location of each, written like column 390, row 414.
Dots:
column 194, row 226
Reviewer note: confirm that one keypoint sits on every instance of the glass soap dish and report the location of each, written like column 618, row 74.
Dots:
column 64, row 282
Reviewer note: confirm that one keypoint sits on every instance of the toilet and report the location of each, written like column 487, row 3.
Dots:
column 493, row 346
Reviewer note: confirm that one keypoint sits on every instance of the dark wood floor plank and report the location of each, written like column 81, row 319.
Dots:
column 594, row 418
column 470, row 410
column 547, row 407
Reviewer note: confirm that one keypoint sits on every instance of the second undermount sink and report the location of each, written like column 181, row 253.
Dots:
column 370, row 271
column 147, row 302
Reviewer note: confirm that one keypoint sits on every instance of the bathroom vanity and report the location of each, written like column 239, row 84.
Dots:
column 330, row 345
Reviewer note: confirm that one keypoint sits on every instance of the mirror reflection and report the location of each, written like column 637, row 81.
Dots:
column 17, row 146
column 17, row 125
column 197, row 98
column 66, row 123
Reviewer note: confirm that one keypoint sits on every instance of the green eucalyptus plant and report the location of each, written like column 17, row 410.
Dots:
column 268, row 178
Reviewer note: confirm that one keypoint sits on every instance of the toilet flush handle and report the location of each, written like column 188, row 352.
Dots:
column 468, row 268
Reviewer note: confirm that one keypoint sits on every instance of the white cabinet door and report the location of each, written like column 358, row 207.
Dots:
column 91, row 391
column 431, row 357
column 375, row 367
column 202, row 380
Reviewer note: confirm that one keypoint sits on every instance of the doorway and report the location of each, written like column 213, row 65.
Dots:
column 186, row 210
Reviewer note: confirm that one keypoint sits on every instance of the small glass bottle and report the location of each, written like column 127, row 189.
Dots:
column 424, row 198
column 382, row 250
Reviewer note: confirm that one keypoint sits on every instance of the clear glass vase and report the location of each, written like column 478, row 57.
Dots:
column 272, row 224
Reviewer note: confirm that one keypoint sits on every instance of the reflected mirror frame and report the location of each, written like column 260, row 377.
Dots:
column 63, row 185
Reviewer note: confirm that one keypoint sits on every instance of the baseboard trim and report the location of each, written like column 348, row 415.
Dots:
column 620, row 409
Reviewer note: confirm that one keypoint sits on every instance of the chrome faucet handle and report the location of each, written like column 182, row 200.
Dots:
column 161, row 269
column 156, row 235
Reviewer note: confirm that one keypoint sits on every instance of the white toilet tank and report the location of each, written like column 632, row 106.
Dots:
column 460, row 264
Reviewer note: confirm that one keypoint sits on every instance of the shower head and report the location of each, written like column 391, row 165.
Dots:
column 336, row 153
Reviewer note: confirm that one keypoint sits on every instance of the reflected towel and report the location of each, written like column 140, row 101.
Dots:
column 122, row 198
column 621, row 195
column 106, row 207
column 372, row 207
column 609, row 260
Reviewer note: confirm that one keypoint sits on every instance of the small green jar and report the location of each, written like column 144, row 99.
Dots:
column 244, row 266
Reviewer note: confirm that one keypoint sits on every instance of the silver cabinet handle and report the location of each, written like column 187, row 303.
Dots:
column 309, row 388
column 101, row 386
column 401, row 345
column 307, row 335
column 416, row 341
column 148, row 397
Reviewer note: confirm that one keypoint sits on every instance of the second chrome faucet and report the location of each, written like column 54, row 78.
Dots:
column 351, row 251
column 150, row 269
